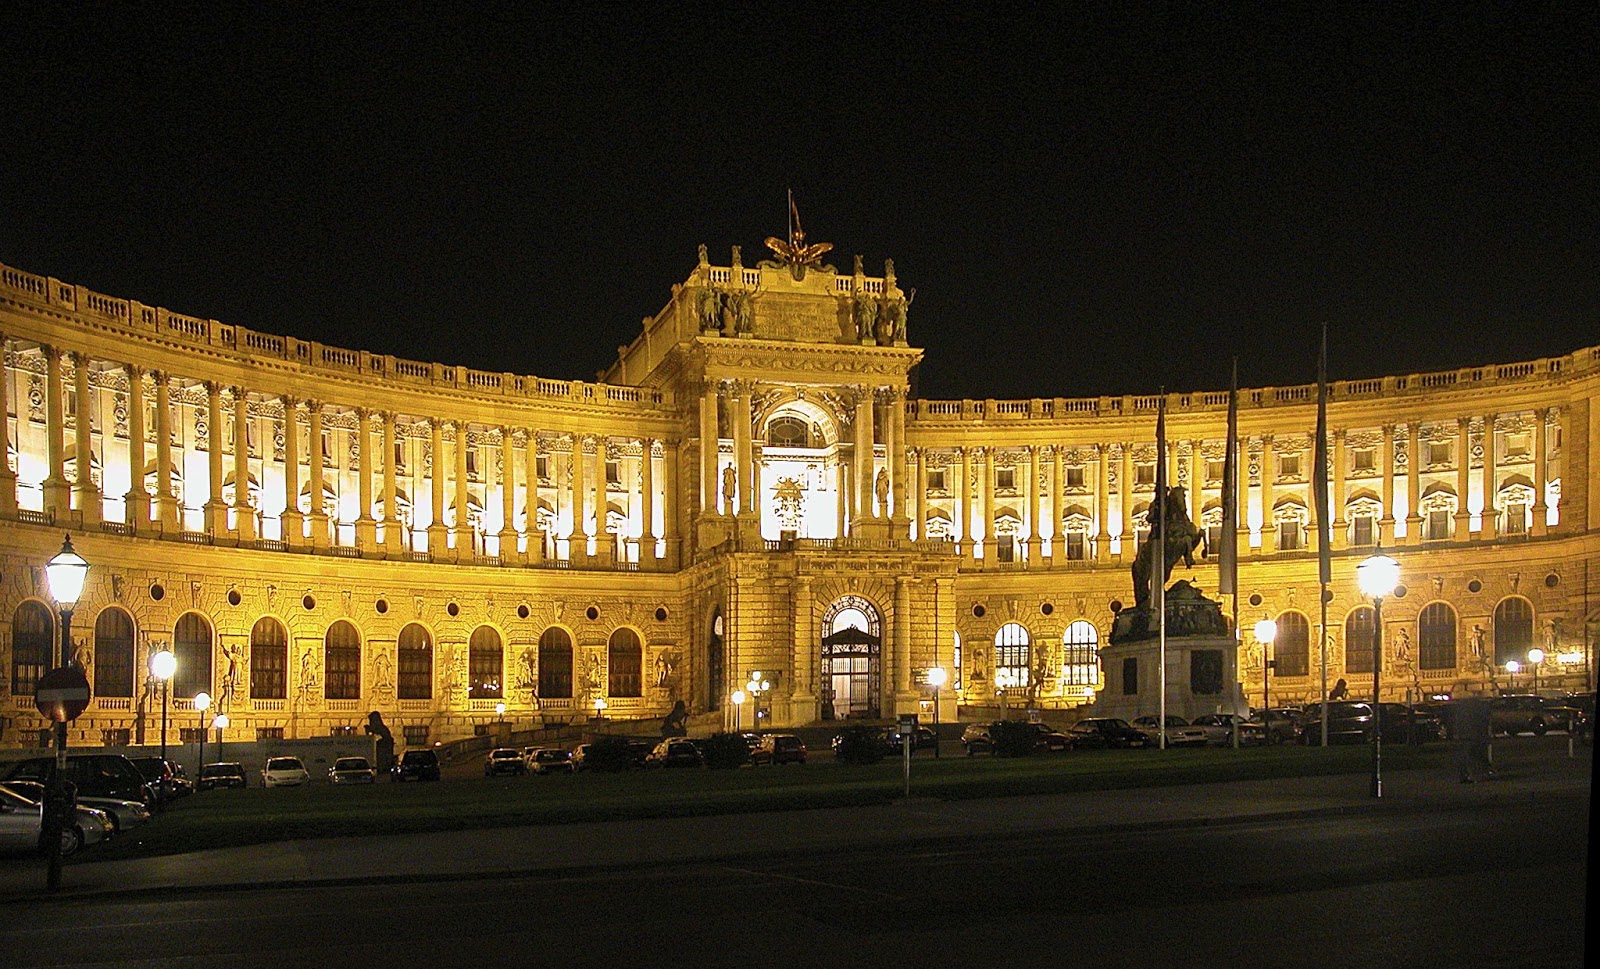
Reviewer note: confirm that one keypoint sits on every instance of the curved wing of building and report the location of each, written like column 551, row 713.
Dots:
column 748, row 500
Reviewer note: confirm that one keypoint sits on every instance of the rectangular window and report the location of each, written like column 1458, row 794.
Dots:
column 1361, row 531
column 1075, row 477
column 542, row 466
column 1130, row 676
column 416, row 734
column 1213, row 539
column 1215, row 470
column 1004, row 549
column 1077, row 546
column 191, row 735
column 1439, row 452
column 115, row 737
column 1438, row 526
column 1516, row 518
column 341, row 731
column 472, row 461
column 269, row 733
column 1144, row 474
column 268, row 672
column 344, row 673
column 613, row 472
column 1291, row 537
column 936, row 480
column 1005, row 479
column 1365, row 459
column 400, row 456
column 1288, row 465
column 480, row 730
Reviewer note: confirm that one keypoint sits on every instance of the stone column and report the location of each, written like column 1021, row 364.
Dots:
column 294, row 522
column 919, row 493
column 1341, row 526
column 216, row 506
column 1242, row 473
column 1491, row 514
column 896, row 402
column 1130, row 545
column 85, row 494
column 1032, row 545
column 244, row 513
column 578, row 539
column 1102, row 472
column 1388, row 453
column 1463, row 515
column 1541, row 468
column 462, row 530
column 1269, row 476
column 319, row 481
column 136, row 503
column 8, row 477
column 1058, row 549
column 709, row 483
column 437, row 531
column 845, row 503
column 508, row 495
column 1413, row 483
column 963, row 522
column 672, row 495
column 530, row 498
column 595, row 490
column 902, row 634
column 804, row 650
column 863, row 454
column 166, row 501
column 743, row 459
column 1197, row 482
column 991, row 541
column 647, row 499
column 57, row 493
column 393, row 541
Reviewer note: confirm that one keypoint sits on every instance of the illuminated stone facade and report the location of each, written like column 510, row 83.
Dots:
column 748, row 484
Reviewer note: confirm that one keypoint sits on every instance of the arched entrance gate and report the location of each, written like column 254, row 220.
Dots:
column 852, row 660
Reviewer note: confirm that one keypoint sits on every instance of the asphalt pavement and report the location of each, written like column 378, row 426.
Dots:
column 1528, row 768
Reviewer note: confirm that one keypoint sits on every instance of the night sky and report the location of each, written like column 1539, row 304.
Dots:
column 1104, row 201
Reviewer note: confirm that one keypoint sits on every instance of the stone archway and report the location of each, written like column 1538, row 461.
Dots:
column 852, row 660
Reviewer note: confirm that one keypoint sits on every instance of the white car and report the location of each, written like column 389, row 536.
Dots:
column 351, row 770
column 22, row 820
column 124, row 814
column 284, row 772
column 1179, row 732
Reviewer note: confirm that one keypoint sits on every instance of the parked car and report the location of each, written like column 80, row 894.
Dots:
column 22, row 825
column 95, row 775
column 979, row 738
column 505, row 760
column 416, row 765
column 1281, row 724
column 1094, row 733
column 675, row 752
column 1525, row 713
column 1410, row 725
column 1179, row 732
column 124, row 814
column 352, row 770
column 553, row 760
column 284, row 772
column 164, row 776
column 1349, row 722
column 779, row 748
column 1220, row 727
column 222, row 775
column 922, row 738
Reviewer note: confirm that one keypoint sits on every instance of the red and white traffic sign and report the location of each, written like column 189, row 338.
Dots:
column 62, row 694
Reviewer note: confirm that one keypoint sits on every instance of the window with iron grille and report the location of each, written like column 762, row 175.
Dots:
column 1513, row 630
column 269, row 660
column 342, row 662
column 485, row 661
column 1292, row 647
column 269, row 733
column 555, row 664
column 191, row 646
column 1011, row 655
column 1436, row 637
column 1080, row 662
column 1359, row 628
column 624, row 664
column 414, row 666
column 113, row 654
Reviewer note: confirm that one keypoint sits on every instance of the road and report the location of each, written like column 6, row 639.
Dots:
column 1498, row 884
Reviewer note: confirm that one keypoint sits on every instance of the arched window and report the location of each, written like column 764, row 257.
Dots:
column 1513, row 630
column 485, row 665
column 269, row 660
column 1011, row 655
column 1080, row 659
column 342, row 662
column 624, row 664
column 31, row 637
column 113, row 653
column 1358, row 632
column 1292, row 647
column 1436, row 637
column 191, row 646
column 788, row 431
column 715, row 661
column 555, row 664
column 415, row 664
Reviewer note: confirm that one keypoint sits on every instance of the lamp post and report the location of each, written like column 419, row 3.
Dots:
column 1377, row 576
column 599, row 708
column 221, row 723
column 1266, row 632
column 65, row 573
column 162, row 666
column 1535, row 657
column 202, row 703
column 936, row 679
column 1512, row 666
column 756, row 687
column 738, row 701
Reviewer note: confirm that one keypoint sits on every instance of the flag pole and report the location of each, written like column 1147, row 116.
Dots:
column 1324, row 529
column 1158, row 563
column 1228, row 554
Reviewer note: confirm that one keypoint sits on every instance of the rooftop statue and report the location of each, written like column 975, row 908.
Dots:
column 795, row 253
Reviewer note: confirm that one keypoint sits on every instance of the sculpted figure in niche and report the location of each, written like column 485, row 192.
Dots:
column 865, row 311
column 709, row 312
column 729, row 484
column 743, row 314
column 880, row 487
column 730, row 316
column 885, row 325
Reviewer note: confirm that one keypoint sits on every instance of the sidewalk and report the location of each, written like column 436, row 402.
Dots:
column 1523, row 773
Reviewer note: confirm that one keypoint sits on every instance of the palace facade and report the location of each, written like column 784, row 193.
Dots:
column 748, row 494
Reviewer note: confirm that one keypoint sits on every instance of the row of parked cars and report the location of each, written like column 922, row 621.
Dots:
column 111, row 794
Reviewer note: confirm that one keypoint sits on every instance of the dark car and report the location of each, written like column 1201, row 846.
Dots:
column 978, row 738
column 416, row 765
column 1525, row 713
column 1093, row 733
column 1282, row 725
column 1349, row 722
column 505, row 760
column 675, row 752
column 96, row 775
column 779, row 748
column 1410, row 725
column 553, row 760
column 222, row 775
column 922, row 738
column 165, row 777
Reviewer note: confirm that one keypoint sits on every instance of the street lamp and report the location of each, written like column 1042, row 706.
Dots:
column 65, row 574
column 936, row 679
column 1377, row 576
column 1535, row 657
column 500, row 711
column 1266, row 632
column 162, row 666
column 221, row 723
column 1512, row 666
column 738, row 701
column 202, row 703
column 756, row 687
column 599, row 708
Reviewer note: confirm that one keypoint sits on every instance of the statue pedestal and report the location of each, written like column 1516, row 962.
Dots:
column 1202, row 661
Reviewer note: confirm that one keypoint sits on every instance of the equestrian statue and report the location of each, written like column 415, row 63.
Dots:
column 1180, row 539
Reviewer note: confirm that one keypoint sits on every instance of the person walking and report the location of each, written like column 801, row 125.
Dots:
column 1470, row 729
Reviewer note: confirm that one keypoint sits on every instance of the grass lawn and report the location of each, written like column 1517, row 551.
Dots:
column 256, row 815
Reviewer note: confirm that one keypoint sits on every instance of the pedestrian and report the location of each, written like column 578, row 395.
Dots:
column 1470, row 729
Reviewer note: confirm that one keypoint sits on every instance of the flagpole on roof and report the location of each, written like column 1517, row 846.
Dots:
column 1158, row 562
column 1228, row 554
column 1319, row 492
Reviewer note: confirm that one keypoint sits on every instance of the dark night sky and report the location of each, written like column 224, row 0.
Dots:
column 1099, row 202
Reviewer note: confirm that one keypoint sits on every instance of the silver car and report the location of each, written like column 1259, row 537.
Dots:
column 124, row 814
column 22, row 825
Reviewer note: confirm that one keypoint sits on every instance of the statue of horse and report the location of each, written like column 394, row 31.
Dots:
column 1180, row 538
